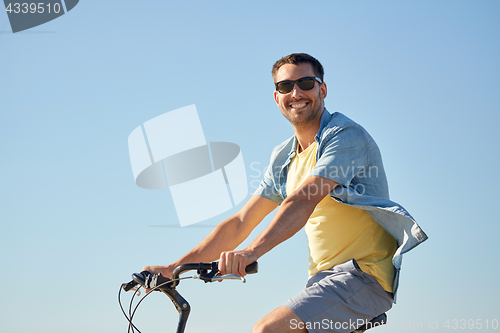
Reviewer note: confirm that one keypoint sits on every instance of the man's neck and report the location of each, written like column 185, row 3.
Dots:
column 306, row 134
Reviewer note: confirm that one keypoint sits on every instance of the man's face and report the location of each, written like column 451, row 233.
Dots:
column 300, row 107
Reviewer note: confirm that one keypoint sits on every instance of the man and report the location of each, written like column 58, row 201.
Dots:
column 328, row 178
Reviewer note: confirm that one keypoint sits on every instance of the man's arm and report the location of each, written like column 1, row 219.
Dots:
column 289, row 219
column 226, row 236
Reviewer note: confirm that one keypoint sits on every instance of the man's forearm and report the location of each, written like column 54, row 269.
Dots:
column 225, row 237
column 292, row 214
column 289, row 219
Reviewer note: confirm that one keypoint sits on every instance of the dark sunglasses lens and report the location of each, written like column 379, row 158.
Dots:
column 285, row 87
column 306, row 84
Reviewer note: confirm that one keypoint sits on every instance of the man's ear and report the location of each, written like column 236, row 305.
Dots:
column 323, row 90
column 275, row 94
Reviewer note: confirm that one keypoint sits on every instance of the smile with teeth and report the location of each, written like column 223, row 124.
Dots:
column 298, row 105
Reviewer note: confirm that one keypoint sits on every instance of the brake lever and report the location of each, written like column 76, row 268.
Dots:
column 229, row 277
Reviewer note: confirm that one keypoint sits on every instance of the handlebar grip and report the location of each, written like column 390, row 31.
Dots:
column 140, row 278
column 128, row 286
column 137, row 278
column 252, row 268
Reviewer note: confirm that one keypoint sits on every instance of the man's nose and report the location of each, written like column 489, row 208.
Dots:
column 296, row 91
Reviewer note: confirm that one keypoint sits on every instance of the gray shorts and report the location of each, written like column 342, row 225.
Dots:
column 339, row 300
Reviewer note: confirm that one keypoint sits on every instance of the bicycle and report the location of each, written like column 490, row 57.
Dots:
column 207, row 272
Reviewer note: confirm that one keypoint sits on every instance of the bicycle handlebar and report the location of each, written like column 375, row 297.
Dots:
column 206, row 272
column 203, row 267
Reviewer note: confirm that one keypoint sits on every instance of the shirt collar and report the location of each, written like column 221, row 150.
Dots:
column 325, row 120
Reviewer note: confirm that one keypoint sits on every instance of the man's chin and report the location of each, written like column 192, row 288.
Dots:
column 303, row 119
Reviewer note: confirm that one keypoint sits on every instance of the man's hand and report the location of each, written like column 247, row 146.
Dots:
column 235, row 262
column 166, row 271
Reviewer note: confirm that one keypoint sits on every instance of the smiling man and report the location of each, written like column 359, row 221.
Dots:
column 328, row 178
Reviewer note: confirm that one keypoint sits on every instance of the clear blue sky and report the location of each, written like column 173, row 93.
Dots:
column 422, row 77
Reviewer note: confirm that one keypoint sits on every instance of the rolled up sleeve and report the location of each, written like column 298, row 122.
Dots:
column 267, row 187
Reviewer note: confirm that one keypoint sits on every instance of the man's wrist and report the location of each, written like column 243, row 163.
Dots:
column 254, row 252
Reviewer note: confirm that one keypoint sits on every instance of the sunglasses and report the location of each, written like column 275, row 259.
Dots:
column 304, row 83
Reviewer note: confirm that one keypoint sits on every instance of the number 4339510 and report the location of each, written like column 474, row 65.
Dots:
column 471, row 324
column 33, row 8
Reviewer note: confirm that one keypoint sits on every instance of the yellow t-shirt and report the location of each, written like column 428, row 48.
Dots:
column 338, row 232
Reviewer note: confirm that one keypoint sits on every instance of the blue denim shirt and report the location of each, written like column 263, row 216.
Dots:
column 348, row 155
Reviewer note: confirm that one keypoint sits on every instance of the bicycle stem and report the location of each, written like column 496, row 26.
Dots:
column 182, row 307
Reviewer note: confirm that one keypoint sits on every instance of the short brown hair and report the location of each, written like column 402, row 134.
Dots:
column 299, row 58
